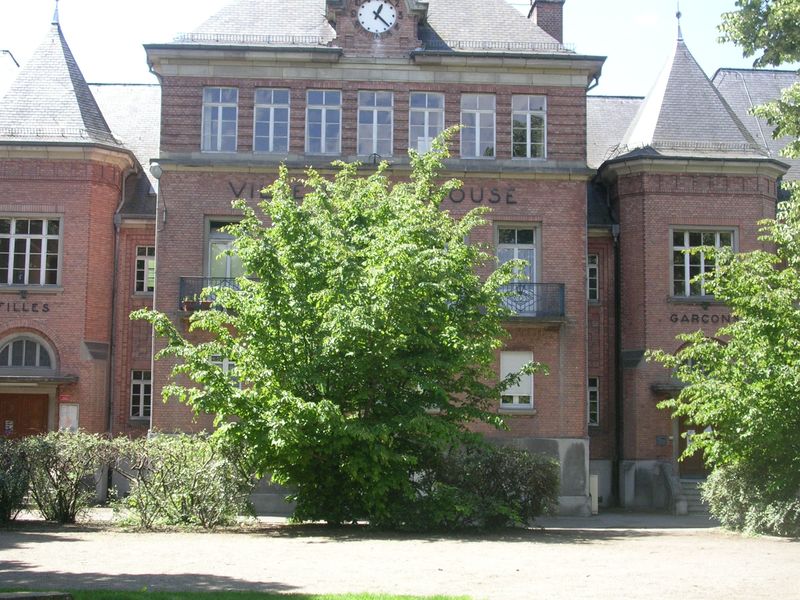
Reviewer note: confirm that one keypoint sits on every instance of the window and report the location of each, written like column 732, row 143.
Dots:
column 25, row 353
column 271, row 121
column 593, row 400
column 145, row 269
column 477, row 119
column 529, row 126
column 29, row 251
column 323, row 122
column 518, row 243
column 220, row 117
column 141, row 394
column 220, row 264
column 688, row 270
column 425, row 118
column 520, row 395
column 592, row 278
column 228, row 367
column 375, row 123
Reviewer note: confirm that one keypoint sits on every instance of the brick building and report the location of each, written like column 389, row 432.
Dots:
column 601, row 195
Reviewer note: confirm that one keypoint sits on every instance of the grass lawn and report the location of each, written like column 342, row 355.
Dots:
column 142, row 595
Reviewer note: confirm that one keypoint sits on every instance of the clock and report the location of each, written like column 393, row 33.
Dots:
column 377, row 16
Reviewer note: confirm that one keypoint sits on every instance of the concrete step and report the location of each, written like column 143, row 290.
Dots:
column 694, row 499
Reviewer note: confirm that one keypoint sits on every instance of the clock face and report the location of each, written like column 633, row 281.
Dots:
column 377, row 16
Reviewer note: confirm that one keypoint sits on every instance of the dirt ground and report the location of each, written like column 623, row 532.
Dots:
column 611, row 556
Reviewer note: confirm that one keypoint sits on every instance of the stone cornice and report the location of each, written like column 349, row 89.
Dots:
column 329, row 64
column 459, row 168
column 122, row 159
column 614, row 169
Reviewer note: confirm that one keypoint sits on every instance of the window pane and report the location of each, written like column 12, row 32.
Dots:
column 525, row 236
column 507, row 236
column 314, row 97
column 280, row 96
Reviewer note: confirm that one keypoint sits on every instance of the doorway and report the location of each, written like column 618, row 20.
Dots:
column 22, row 415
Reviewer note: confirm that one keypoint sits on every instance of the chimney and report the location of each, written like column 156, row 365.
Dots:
column 549, row 15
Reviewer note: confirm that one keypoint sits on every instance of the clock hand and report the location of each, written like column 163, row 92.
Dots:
column 378, row 12
column 380, row 18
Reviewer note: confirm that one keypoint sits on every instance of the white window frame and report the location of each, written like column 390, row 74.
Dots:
column 593, row 401
column 528, row 114
column 520, row 396
column 368, row 106
column 516, row 247
column 212, row 112
column 325, row 109
column 593, row 277
column 678, row 253
column 478, row 113
column 216, row 237
column 423, row 144
column 271, row 107
column 145, row 270
column 141, row 399
column 9, row 242
column 227, row 366
column 42, row 348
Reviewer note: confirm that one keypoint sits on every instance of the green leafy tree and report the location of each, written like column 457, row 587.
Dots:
column 363, row 338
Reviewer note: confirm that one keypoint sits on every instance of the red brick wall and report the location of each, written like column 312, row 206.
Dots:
column 649, row 205
column 355, row 40
column 550, row 17
column 182, row 107
column 132, row 339
column 85, row 195
column 600, row 347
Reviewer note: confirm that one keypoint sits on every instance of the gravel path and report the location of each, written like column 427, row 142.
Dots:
column 614, row 556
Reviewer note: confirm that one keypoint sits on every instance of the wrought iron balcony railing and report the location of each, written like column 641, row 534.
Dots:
column 536, row 300
column 191, row 291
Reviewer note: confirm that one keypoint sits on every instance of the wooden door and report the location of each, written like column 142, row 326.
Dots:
column 692, row 466
column 23, row 414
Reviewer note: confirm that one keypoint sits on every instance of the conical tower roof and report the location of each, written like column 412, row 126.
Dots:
column 685, row 116
column 50, row 102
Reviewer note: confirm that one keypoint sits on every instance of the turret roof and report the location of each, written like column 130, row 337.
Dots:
column 50, row 102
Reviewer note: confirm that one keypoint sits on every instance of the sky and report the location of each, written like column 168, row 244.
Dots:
column 106, row 36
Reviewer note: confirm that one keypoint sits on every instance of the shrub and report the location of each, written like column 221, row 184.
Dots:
column 738, row 499
column 482, row 486
column 63, row 469
column 183, row 480
column 14, row 478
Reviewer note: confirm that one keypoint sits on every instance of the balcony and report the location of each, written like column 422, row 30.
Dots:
column 535, row 301
column 191, row 296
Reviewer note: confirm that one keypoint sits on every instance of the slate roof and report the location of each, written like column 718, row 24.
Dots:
column 50, row 102
column 744, row 89
column 265, row 23
column 607, row 120
column 483, row 26
column 685, row 116
column 133, row 112
column 450, row 25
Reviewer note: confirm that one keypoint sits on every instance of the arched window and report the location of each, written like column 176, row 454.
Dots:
column 26, row 353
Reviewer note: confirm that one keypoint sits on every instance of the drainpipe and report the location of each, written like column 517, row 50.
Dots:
column 618, row 388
